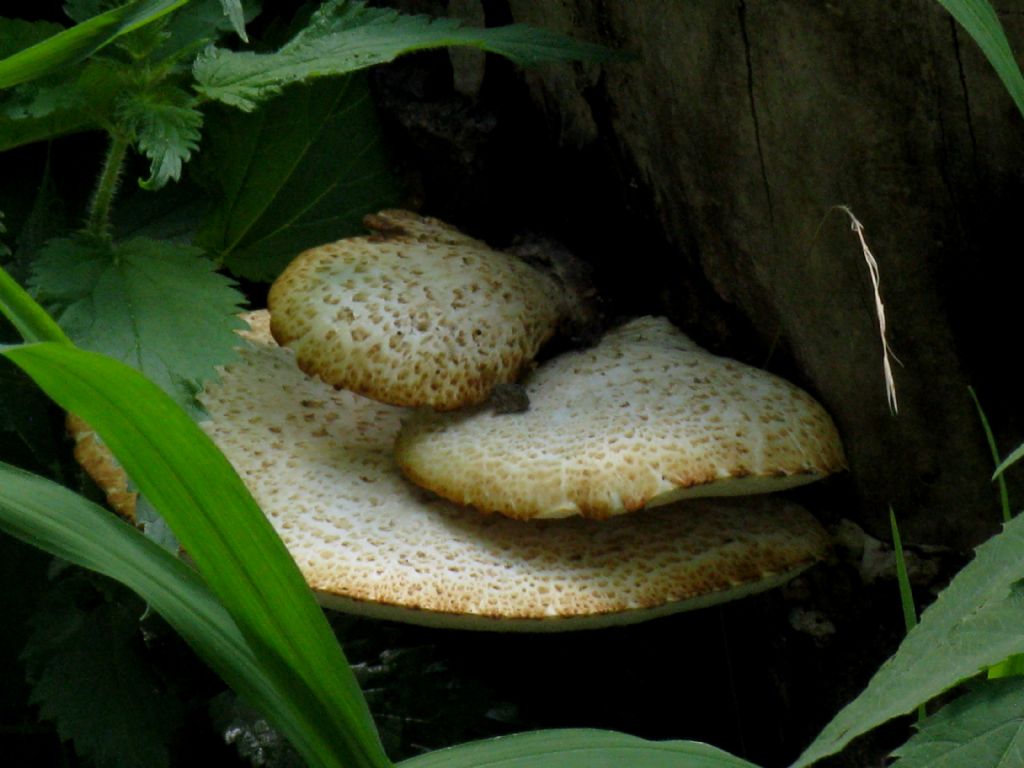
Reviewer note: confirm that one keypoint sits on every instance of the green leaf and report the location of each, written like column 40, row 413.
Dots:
column 1007, row 667
column 200, row 23
column 236, row 15
column 1009, row 461
column 577, row 749
column 984, row 729
column 53, row 518
column 81, row 40
column 345, row 36
column 166, row 126
column 990, row 438
column 973, row 624
column 16, row 34
column 79, row 655
column 155, row 305
column 979, row 18
column 27, row 317
column 75, row 100
column 300, row 171
column 188, row 480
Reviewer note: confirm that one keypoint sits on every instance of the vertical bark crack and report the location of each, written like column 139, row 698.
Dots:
column 966, row 95
column 742, row 12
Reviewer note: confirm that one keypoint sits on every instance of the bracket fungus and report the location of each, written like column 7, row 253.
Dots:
column 416, row 313
column 320, row 463
column 644, row 418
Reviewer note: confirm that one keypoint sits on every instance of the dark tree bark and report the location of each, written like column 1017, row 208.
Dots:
column 738, row 126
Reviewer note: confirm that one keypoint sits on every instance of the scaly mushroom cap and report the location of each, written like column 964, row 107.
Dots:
column 320, row 464
column 416, row 314
column 644, row 418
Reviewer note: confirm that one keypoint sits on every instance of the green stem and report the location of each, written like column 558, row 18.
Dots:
column 106, row 187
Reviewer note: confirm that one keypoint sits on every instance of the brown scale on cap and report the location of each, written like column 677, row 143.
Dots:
column 320, row 464
column 644, row 418
column 415, row 314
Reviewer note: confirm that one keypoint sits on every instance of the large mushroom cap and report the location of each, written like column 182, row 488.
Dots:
column 416, row 314
column 319, row 462
column 644, row 418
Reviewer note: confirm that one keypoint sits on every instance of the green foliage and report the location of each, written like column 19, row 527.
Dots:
column 984, row 729
column 577, row 749
column 241, row 558
column 979, row 18
column 83, row 650
column 78, row 42
column 301, row 171
column 1004, row 493
column 973, row 624
column 16, row 34
column 155, row 305
column 344, row 36
column 55, row 519
column 165, row 126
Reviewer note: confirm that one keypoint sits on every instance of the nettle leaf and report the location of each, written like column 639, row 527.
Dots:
column 166, row 126
column 86, row 650
column 156, row 306
column 576, row 748
column 16, row 34
column 984, row 729
column 300, row 171
column 975, row 623
column 345, row 36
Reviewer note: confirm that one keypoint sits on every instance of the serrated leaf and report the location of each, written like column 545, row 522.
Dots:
column 17, row 34
column 72, row 45
column 302, row 170
column 166, row 126
column 345, row 36
column 78, row 656
column 577, row 749
column 157, row 306
column 973, row 624
column 984, row 729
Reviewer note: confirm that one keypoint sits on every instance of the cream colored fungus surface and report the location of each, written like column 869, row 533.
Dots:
column 646, row 417
column 416, row 314
column 319, row 462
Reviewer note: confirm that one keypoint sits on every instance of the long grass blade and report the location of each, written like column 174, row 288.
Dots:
column 979, row 18
column 64, row 524
column 245, row 564
column 27, row 317
column 906, row 593
column 1004, row 493
column 81, row 40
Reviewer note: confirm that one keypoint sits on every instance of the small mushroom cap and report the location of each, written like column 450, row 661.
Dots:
column 644, row 418
column 416, row 314
column 320, row 464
